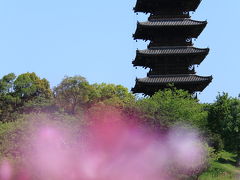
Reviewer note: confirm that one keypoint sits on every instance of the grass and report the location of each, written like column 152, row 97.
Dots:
column 223, row 169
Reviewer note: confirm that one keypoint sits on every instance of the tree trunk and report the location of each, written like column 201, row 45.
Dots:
column 73, row 111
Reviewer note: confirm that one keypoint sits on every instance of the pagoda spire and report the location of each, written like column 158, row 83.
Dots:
column 170, row 55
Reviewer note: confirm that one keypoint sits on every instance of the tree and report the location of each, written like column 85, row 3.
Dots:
column 6, row 83
column 8, row 101
column 170, row 107
column 27, row 86
column 109, row 101
column 111, row 94
column 224, row 119
column 219, row 114
column 72, row 92
column 17, row 93
column 34, row 92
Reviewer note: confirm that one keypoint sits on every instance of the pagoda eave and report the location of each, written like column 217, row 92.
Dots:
column 154, row 30
column 172, row 22
column 190, row 83
column 170, row 55
column 154, row 6
column 173, row 51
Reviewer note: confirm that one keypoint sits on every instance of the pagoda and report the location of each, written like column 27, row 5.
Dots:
column 170, row 56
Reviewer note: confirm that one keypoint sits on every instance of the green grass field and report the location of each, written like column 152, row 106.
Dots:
column 223, row 169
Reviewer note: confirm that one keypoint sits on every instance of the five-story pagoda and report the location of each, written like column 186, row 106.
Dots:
column 170, row 56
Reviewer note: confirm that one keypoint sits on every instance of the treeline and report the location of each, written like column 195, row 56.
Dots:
column 27, row 93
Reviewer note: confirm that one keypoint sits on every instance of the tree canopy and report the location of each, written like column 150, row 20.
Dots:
column 170, row 107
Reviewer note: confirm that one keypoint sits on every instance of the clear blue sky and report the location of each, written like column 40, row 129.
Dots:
column 93, row 39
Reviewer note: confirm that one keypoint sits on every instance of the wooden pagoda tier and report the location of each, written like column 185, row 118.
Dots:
column 168, row 6
column 170, row 56
column 170, row 60
column 152, row 84
column 169, row 31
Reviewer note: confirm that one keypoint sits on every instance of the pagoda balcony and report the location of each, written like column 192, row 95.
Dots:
column 171, row 42
column 168, row 15
column 155, row 6
column 171, row 69
column 169, row 29
column 166, row 56
column 190, row 83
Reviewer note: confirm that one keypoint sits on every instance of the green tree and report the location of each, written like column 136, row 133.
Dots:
column 224, row 119
column 170, row 107
column 22, row 93
column 6, row 83
column 111, row 94
column 219, row 114
column 109, row 101
column 233, row 127
column 34, row 92
column 72, row 93
column 8, row 100
column 27, row 86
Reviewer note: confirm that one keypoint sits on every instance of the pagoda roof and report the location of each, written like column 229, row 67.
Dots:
column 161, row 28
column 173, row 22
column 145, row 57
column 153, row 6
column 159, row 51
column 189, row 82
column 185, row 78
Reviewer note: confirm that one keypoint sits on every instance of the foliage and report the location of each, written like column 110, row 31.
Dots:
column 6, row 83
column 215, row 140
column 14, row 134
column 8, row 101
column 27, row 86
column 222, row 168
column 219, row 115
column 224, row 120
column 114, row 95
column 75, row 93
column 75, row 98
column 109, row 101
column 17, row 93
column 71, row 93
column 170, row 107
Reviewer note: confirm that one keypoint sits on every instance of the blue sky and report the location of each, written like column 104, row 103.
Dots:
column 93, row 39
